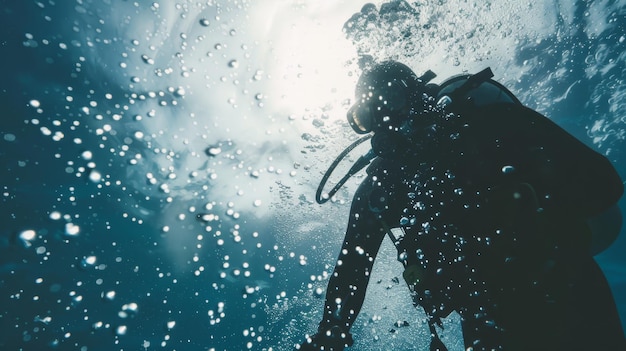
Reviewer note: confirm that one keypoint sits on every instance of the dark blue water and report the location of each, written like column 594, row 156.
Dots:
column 136, row 216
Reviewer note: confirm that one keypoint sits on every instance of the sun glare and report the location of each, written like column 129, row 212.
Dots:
column 309, row 61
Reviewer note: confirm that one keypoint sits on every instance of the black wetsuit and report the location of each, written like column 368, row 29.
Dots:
column 493, row 206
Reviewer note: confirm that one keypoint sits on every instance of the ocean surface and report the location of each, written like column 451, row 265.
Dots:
column 159, row 159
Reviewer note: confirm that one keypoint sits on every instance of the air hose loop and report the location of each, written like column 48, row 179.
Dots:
column 358, row 165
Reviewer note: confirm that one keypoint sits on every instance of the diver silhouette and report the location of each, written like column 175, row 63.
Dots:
column 498, row 212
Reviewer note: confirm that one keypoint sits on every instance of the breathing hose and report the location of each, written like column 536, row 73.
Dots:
column 358, row 165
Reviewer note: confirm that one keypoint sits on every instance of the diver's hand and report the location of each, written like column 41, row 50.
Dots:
column 333, row 339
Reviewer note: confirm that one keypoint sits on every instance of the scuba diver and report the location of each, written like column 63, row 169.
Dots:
column 498, row 213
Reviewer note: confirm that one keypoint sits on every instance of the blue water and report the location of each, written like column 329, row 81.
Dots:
column 159, row 160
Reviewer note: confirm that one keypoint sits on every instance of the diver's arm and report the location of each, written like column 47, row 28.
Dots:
column 348, row 283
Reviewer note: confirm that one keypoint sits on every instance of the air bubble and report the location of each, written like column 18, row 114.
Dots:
column 508, row 169
column 95, row 176
column 146, row 59
column 213, row 151
column 180, row 92
column 121, row 330
column 109, row 295
column 130, row 307
column 72, row 229
column 27, row 236
column 88, row 261
column 45, row 320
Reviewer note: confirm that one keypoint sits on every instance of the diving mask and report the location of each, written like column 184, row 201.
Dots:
column 385, row 95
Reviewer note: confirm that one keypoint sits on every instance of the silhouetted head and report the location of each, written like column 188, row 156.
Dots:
column 384, row 98
column 391, row 101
